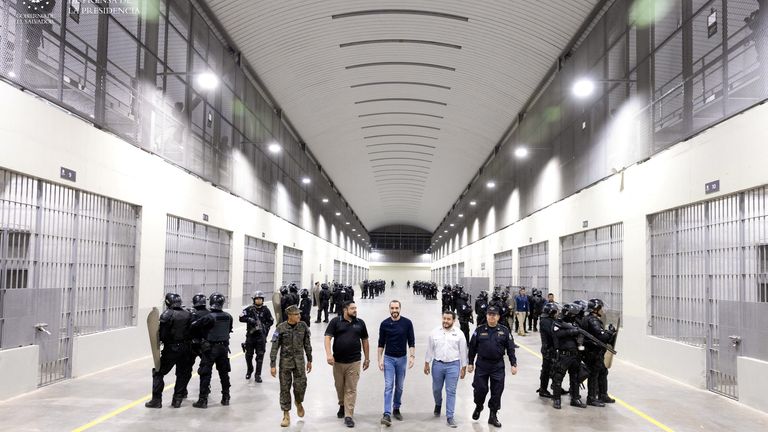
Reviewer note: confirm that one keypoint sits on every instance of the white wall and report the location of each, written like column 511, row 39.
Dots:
column 18, row 370
column 401, row 273
column 735, row 152
column 37, row 139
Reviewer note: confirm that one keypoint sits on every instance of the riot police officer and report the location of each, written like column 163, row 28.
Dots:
column 338, row 299
column 258, row 321
column 199, row 310
column 548, row 352
column 568, row 361
column 446, row 298
column 464, row 311
column 324, row 299
column 305, row 306
column 489, row 343
column 481, row 307
column 536, row 302
column 594, row 355
column 216, row 326
column 175, row 336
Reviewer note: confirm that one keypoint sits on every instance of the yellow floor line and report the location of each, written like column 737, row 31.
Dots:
column 631, row 408
column 129, row 405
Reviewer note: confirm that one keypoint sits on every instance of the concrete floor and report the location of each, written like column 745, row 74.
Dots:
column 113, row 400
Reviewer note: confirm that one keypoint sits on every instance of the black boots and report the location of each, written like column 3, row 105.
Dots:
column 176, row 402
column 604, row 398
column 476, row 413
column 576, row 402
column 154, row 403
column 225, row 399
column 544, row 393
column 595, row 402
column 258, row 378
column 201, row 403
column 493, row 420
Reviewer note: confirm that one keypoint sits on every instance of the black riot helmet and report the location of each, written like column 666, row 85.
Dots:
column 483, row 295
column 283, row 290
column 304, row 293
column 172, row 300
column 199, row 299
column 582, row 305
column 293, row 288
column 216, row 301
column 324, row 286
column 464, row 296
column 571, row 311
column 550, row 309
column 257, row 294
column 595, row 305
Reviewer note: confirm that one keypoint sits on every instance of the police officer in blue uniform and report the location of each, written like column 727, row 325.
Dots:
column 216, row 326
column 489, row 343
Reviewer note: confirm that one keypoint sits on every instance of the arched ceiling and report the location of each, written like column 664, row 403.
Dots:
column 401, row 101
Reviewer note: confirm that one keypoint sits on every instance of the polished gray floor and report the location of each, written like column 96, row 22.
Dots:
column 113, row 400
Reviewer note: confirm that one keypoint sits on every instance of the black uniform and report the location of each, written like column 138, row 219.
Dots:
column 489, row 345
column 464, row 311
column 548, row 353
column 197, row 338
column 568, row 360
column 481, row 309
column 216, row 326
column 594, row 358
column 536, row 303
column 175, row 336
column 338, row 300
column 325, row 298
column 258, row 321
column 305, row 305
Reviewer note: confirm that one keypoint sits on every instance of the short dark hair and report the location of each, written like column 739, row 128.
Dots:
column 347, row 303
column 550, row 294
column 396, row 301
column 450, row 312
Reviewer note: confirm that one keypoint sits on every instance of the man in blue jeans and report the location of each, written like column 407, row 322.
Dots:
column 396, row 348
column 447, row 354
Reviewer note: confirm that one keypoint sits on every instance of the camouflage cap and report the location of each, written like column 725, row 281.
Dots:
column 292, row 310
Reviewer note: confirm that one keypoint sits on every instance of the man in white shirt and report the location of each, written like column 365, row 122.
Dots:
column 447, row 355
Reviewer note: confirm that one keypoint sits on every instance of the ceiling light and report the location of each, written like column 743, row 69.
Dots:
column 472, row 203
column 346, row 223
column 353, row 229
column 306, row 180
column 440, row 236
column 461, row 214
column 583, row 88
column 325, row 200
column 521, row 152
column 452, row 225
column 274, row 148
column 445, row 231
column 338, row 213
column 358, row 235
column 207, row 81
column 491, row 184
column 12, row 74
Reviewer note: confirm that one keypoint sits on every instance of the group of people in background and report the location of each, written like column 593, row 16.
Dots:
column 450, row 352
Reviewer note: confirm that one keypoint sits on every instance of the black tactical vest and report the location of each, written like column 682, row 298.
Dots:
column 222, row 324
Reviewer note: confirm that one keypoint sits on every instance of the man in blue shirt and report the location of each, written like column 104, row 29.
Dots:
column 522, row 307
column 396, row 340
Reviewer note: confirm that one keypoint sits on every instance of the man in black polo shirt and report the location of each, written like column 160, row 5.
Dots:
column 348, row 334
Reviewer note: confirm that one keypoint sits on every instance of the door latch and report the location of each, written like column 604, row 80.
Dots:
column 42, row 327
column 735, row 340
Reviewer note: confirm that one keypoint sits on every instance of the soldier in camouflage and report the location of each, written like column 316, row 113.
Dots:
column 292, row 339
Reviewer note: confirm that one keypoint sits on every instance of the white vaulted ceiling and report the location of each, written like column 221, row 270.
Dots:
column 401, row 101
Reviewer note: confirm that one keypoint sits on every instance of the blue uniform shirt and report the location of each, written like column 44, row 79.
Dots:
column 491, row 343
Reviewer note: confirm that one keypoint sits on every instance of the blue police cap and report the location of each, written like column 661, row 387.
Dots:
column 493, row 310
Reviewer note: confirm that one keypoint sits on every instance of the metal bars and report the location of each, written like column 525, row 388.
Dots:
column 534, row 266
column 337, row 271
column 196, row 259
column 292, row 266
column 502, row 268
column 258, row 268
column 68, row 267
column 591, row 266
column 708, row 273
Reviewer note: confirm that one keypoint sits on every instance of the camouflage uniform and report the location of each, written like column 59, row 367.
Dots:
column 291, row 341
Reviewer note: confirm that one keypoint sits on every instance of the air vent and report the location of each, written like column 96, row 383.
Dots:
column 400, row 125
column 400, row 113
column 401, row 151
column 399, row 135
column 401, row 158
column 404, row 41
column 417, row 64
column 403, row 144
column 400, row 165
column 400, row 83
column 400, row 12
column 401, row 170
column 401, row 100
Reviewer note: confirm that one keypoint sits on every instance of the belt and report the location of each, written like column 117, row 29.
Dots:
column 440, row 361
column 219, row 342
column 568, row 352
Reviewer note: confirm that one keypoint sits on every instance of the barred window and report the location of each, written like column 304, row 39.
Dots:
column 591, row 266
column 258, row 268
column 534, row 266
column 292, row 266
column 196, row 259
column 502, row 268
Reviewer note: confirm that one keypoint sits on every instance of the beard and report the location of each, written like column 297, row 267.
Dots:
column 394, row 314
